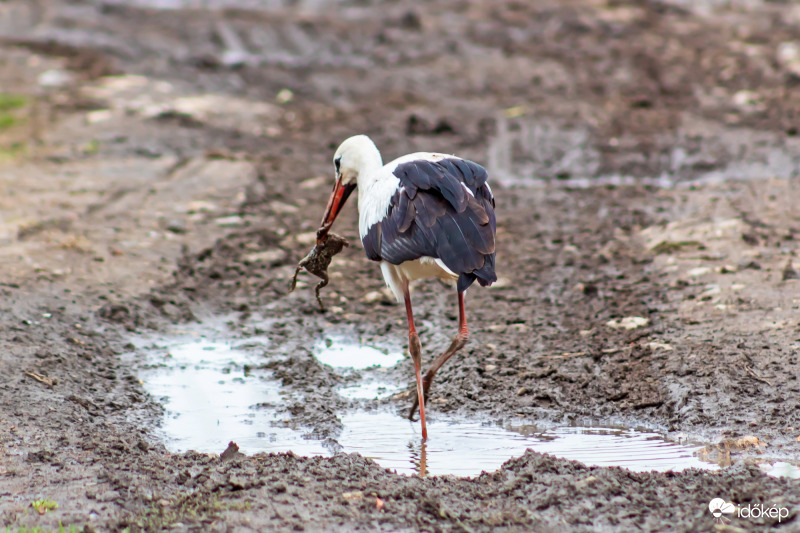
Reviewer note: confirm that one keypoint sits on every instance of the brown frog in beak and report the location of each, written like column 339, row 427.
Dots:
column 319, row 259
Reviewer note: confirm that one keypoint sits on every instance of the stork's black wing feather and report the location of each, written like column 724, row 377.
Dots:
column 443, row 209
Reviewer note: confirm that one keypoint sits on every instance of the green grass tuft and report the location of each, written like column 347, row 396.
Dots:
column 61, row 529
column 8, row 104
column 12, row 101
column 44, row 506
column 6, row 121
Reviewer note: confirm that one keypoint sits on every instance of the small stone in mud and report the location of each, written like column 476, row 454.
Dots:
column 699, row 271
column 586, row 482
column 176, row 226
column 356, row 495
column 746, row 442
column 748, row 263
column 750, row 239
column 319, row 259
column 789, row 272
column 373, row 297
column 41, row 456
column 231, row 221
column 628, row 322
column 231, row 452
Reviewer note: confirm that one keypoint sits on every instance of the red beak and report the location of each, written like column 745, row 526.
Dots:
column 335, row 203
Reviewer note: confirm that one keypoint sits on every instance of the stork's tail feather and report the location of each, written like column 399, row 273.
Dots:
column 485, row 275
column 487, row 282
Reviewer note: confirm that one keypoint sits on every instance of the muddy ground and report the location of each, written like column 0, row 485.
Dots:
column 161, row 166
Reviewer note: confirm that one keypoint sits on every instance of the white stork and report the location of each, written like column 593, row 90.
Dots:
column 424, row 215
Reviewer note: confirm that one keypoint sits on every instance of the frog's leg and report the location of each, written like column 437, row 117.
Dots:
column 294, row 278
column 321, row 284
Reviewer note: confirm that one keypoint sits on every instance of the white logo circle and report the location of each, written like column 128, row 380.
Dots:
column 718, row 506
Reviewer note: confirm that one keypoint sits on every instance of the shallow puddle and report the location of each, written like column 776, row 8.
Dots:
column 210, row 399
column 781, row 469
column 369, row 391
column 338, row 353
column 467, row 448
column 213, row 393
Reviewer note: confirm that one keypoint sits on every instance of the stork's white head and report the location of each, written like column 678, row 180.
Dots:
column 355, row 157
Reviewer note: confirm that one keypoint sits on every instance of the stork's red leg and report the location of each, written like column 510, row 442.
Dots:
column 415, row 349
column 456, row 344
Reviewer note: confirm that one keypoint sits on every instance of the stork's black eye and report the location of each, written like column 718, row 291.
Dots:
column 337, row 162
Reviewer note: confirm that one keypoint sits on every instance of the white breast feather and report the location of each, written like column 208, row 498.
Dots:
column 374, row 199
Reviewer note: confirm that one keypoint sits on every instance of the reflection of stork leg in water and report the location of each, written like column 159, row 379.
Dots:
column 423, row 460
column 419, row 458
